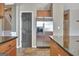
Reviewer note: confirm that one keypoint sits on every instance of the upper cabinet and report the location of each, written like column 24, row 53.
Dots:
column 44, row 13
column 1, row 10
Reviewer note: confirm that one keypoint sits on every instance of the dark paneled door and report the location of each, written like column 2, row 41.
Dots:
column 26, row 29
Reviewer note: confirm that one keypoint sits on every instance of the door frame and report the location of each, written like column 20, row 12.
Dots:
column 66, row 37
column 21, row 26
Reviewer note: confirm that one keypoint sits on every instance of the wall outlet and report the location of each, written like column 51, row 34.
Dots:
column 58, row 27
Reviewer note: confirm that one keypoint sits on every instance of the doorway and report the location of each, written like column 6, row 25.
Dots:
column 44, row 29
column 26, row 29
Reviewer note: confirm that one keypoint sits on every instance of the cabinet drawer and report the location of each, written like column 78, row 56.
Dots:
column 6, row 46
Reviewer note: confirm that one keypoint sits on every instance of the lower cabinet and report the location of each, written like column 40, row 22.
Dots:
column 56, row 50
column 8, row 48
column 12, row 52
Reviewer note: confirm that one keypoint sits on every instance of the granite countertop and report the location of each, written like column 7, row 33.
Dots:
column 7, row 36
column 73, row 44
column 58, row 43
column 4, row 39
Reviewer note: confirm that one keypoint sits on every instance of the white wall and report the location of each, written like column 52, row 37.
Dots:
column 58, row 10
column 13, row 18
column 71, row 6
column 41, row 6
column 74, row 16
column 28, row 7
column 18, row 25
column 74, row 25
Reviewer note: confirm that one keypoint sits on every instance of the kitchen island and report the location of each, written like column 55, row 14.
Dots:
column 58, row 49
column 8, row 45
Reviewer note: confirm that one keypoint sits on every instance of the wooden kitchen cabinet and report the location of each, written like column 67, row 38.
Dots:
column 57, row 50
column 44, row 13
column 12, row 51
column 8, row 48
column 1, row 9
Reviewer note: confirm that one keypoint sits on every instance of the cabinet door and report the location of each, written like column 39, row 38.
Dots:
column 43, row 13
column 6, row 46
column 12, row 48
column 56, row 50
column 26, row 29
column 12, row 52
column 1, row 9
